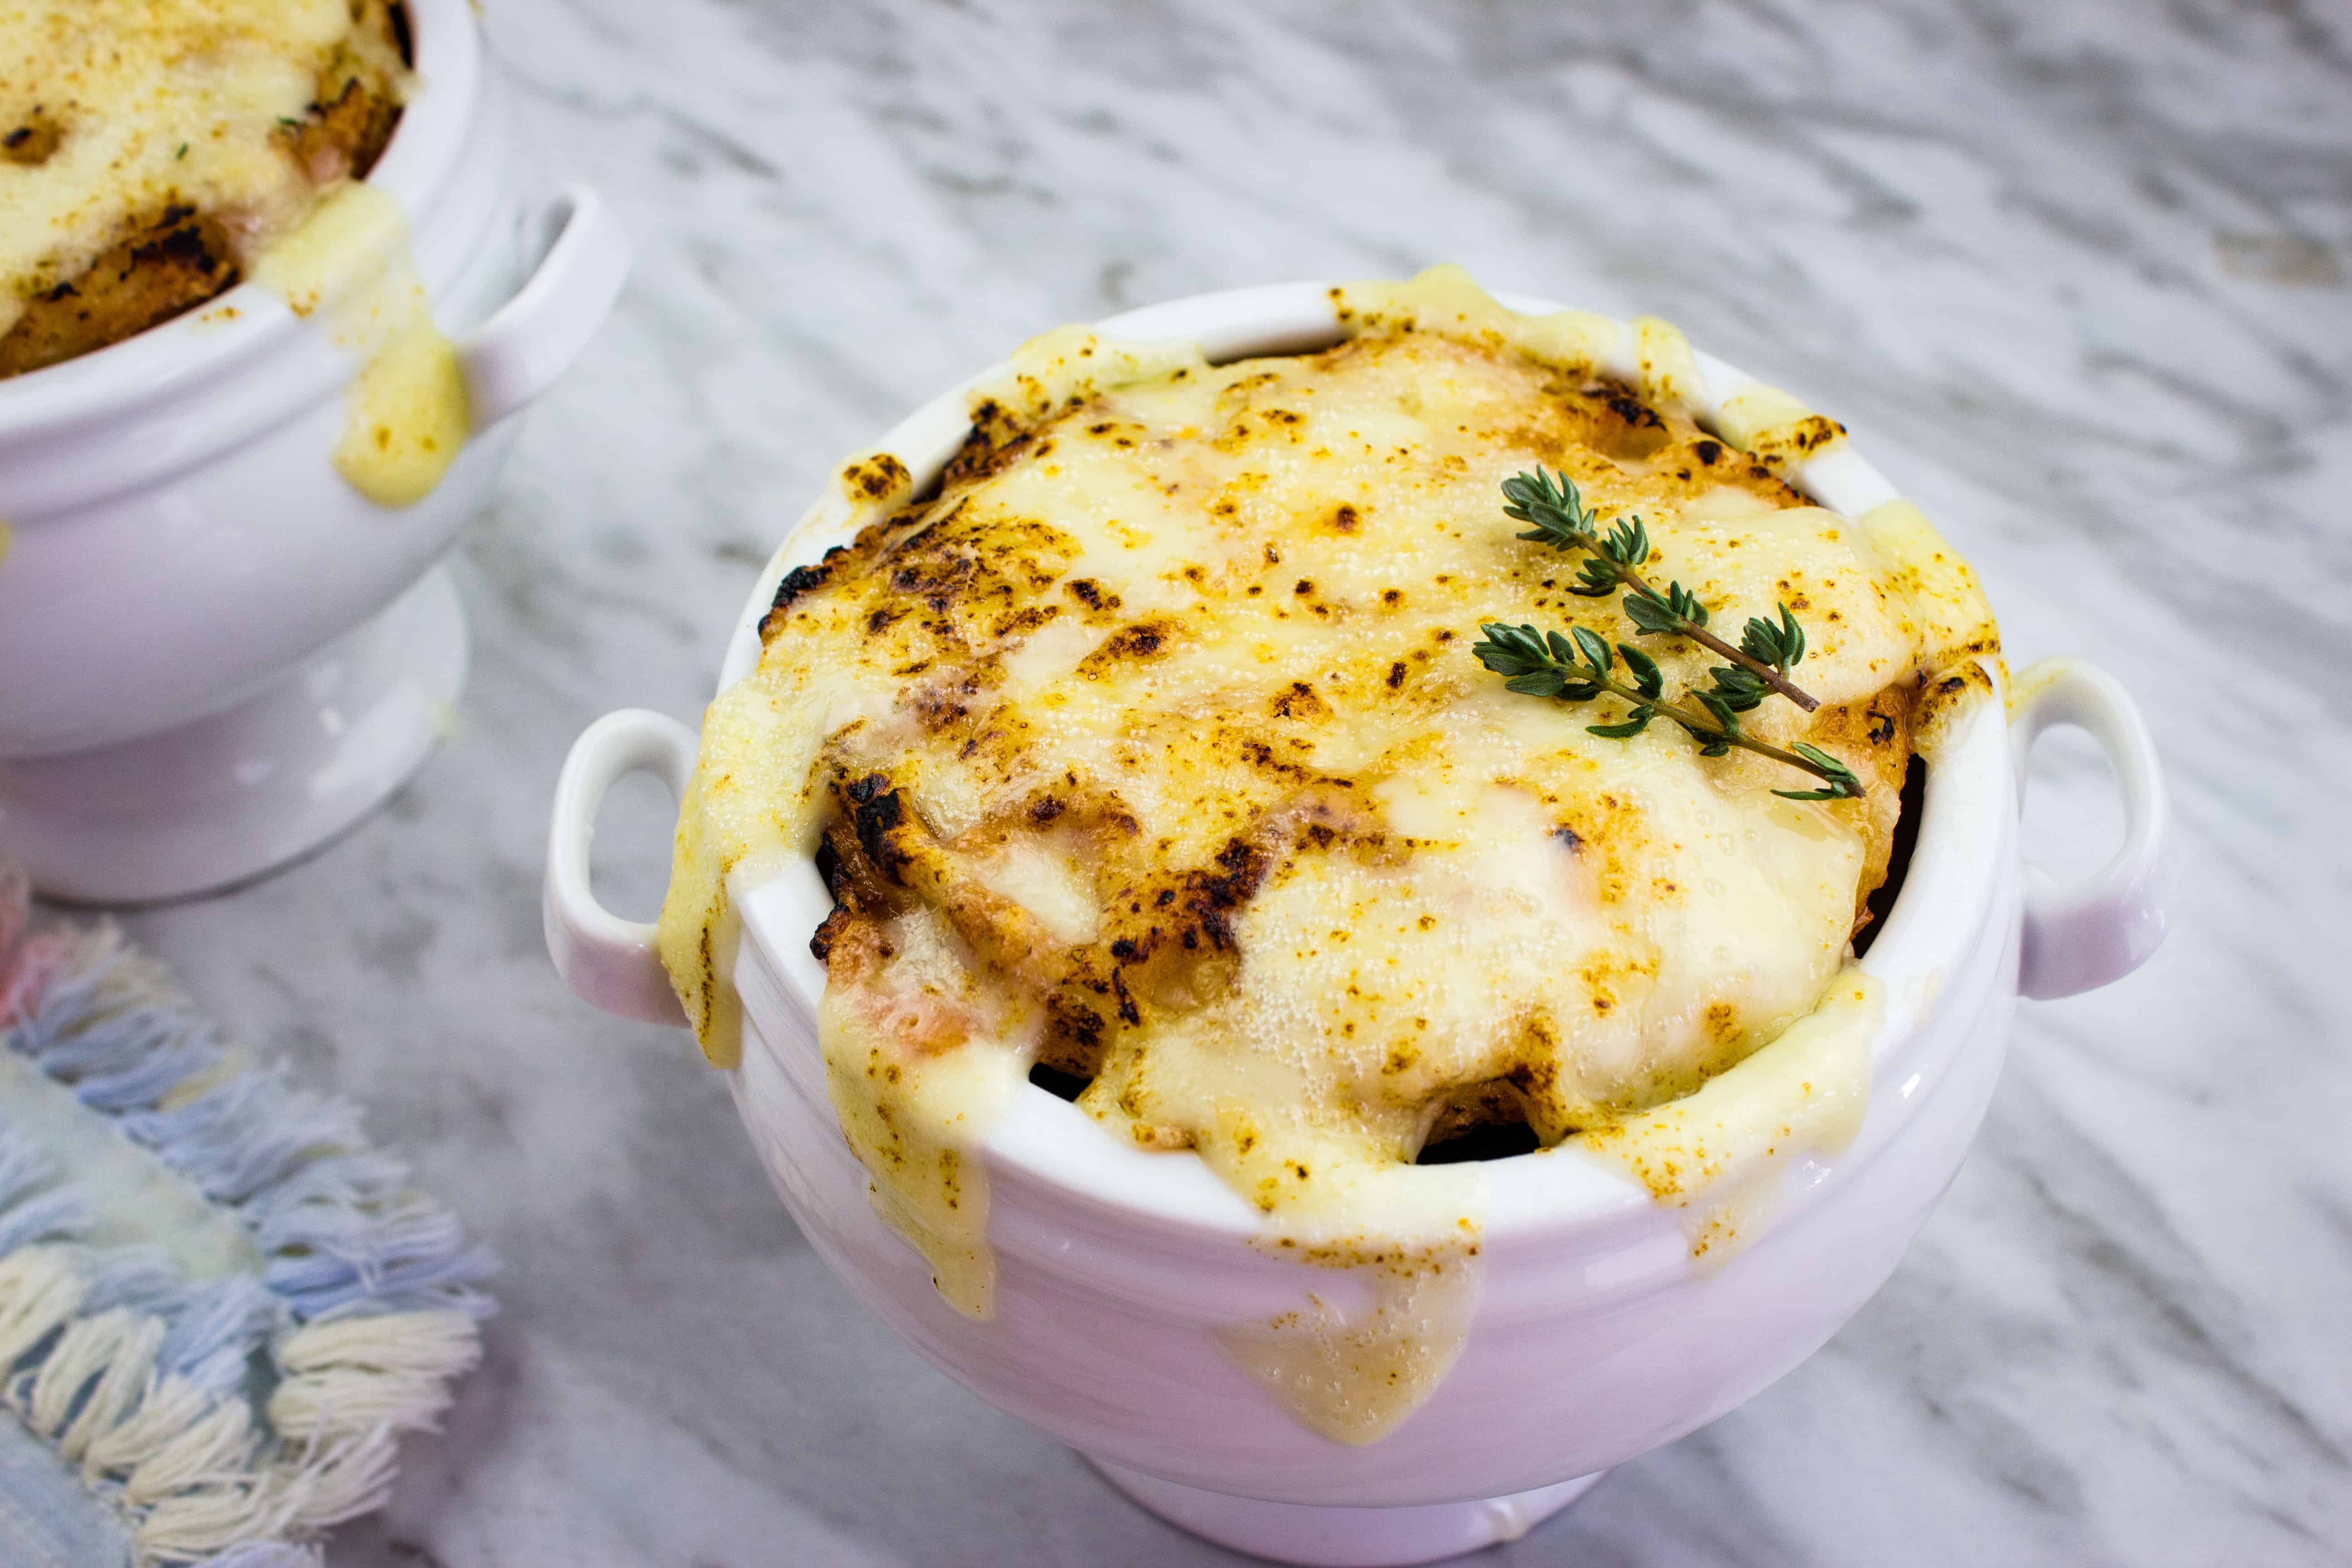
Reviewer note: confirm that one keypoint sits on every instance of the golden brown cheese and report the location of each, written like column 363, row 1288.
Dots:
column 1152, row 748
column 150, row 150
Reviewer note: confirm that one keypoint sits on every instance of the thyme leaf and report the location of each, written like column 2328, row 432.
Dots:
column 1555, row 514
column 1581, row 664
column 1541, row 663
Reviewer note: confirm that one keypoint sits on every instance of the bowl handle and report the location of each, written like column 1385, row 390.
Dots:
column 2081, row 934
column 533, row 338
column 606, row 960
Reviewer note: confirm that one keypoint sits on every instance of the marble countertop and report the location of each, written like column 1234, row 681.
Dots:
column 2074, row 273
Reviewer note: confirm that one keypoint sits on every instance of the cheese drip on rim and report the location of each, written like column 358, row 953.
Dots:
column 1160, row 722
column 406, row 414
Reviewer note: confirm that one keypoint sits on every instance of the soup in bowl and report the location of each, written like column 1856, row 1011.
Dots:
column 1359, row 897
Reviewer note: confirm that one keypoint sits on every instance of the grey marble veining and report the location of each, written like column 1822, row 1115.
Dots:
column 2076, row 275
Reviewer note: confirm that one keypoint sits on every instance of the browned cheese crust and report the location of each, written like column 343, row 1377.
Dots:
column 171, row 259
column 936, row 592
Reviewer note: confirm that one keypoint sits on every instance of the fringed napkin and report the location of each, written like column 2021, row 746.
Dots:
column 218, row 1306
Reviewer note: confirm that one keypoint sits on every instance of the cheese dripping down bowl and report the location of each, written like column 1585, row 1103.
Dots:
column 1441, row 1354
column 225, row 632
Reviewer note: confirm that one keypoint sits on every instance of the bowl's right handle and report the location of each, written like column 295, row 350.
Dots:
column 606, row 960
column 2081, row 934
column 519, row 351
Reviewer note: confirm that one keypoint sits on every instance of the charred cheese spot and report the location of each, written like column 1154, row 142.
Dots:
column 879, row 476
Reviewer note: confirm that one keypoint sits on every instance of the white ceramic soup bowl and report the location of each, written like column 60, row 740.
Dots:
column 1597, row 1336
column 215, row 654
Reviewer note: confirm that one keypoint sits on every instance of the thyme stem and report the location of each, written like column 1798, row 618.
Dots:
column 1708, row 639
column 1560, row 519
column 1703, row 726
column 1537, row 664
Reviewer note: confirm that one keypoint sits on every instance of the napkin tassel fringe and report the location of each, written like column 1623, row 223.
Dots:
column 232, row 1420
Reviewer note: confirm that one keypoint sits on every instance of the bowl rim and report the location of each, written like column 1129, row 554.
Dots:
column 1041, row 1142
column 415, row 164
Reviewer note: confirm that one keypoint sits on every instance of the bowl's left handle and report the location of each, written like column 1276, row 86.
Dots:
column 607, row 960
column 2081, row 934
column 517, row 354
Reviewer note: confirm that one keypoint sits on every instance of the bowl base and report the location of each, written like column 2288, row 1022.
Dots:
column 227, row 798
column 1346, row 1537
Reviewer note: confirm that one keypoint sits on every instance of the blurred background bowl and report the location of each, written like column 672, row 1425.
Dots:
column 215, row 653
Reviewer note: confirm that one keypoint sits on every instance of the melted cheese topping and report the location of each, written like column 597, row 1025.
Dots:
column 1153, row 748
column 139, row 105
column 1375, row 1335
column 919, row 1060
column 408, row 415
column 1717, row 1151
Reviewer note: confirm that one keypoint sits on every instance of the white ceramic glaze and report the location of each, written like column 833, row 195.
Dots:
column 1346, row 1537
column 1597, row 1335
column 606, row 959
column 190, row 590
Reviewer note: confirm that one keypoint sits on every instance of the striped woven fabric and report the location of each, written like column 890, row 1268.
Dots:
column 219, row 1307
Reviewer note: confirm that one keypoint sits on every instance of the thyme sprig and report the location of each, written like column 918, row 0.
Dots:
column 1546, row 664
column 1557, row 516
